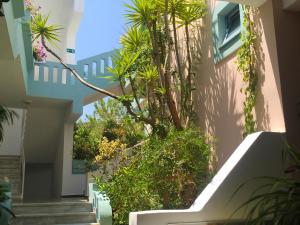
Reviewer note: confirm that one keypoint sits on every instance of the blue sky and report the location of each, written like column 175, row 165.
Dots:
column 102, row 24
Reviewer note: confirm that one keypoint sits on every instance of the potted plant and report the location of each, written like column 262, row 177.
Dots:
column 277, row 202
column 5, row 204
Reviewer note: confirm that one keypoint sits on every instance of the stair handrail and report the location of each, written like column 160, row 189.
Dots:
column 22, row 153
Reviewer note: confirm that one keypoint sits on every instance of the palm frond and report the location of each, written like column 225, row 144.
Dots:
column 277, row 201
column 134, row 38
column 141, row 12
column 41, row 29
column 6, row 116
column 190, row 12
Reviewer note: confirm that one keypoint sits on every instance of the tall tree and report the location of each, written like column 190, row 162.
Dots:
column 191, row 12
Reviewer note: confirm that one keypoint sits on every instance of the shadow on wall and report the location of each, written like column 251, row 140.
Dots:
column 261, row 108
column 38, row 182
column 215, row 96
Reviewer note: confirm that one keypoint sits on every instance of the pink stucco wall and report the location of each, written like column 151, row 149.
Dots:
column 287, row 32
column 218, row 100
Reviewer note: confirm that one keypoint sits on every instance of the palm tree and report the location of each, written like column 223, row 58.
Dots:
column 6, row 116
column 49, row 33
column 147, row 13
column 187, row 15
column 167, row 73
column 41, row 30
column 174, row 7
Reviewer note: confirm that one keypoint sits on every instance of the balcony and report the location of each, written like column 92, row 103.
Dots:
column 52, row 80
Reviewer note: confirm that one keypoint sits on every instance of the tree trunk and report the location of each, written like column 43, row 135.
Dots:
column 178, row 63
column 134, row 92
column 189, row 59
column 170, row 101
column 127, row 104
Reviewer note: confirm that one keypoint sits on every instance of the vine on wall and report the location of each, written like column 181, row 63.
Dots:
column 246, row 62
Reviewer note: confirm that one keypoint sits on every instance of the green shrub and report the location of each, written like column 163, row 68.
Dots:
column 163, row 173
column 109, row 121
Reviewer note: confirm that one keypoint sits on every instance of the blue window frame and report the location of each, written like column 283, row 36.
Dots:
column 227, row 26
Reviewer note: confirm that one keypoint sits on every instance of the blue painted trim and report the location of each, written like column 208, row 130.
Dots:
column 19, row 8
column 223, row 49
column 66, row 87
column 49, row 85
column 101, row 205
column 5, row 217
column 26, row 53
column 78, row 166
column 18, row 21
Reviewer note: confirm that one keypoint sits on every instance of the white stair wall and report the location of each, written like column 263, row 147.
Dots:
column 260, row 154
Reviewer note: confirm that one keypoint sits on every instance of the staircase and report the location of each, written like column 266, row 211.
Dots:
column 54, row 213
column 10, row 171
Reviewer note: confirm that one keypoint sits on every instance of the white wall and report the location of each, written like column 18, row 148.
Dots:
column 58, row 165
column 72, row 184
column 12, row 141
column 67, row 14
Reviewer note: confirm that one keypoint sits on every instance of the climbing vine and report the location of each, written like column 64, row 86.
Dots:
column 246, row 61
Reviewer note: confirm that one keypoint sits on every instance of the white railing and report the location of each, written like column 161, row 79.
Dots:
column 22, row 155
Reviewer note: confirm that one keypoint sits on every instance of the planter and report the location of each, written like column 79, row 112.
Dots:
column 5, row 217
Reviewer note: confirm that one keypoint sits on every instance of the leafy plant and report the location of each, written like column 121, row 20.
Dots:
column 246, row 61
column 4, row 197
column 162, row 173
column 6, row 116
column 277, row 202
column 143, row 65
column 109, row 121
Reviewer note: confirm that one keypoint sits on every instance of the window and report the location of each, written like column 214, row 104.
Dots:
column 227, row 24
column 232, row 22
column 86, row 71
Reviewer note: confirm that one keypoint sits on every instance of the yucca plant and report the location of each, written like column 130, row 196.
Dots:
column 50, row 33
column 41, row 30
column 277, row 202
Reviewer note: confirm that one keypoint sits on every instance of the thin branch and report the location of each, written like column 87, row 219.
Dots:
column 126, row 103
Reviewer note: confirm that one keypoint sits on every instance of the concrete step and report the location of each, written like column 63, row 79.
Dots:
column 9, row 162
column 8, row 165
column 80, row 224
column 10, row 158
column 10, row 171
column 15, row 184
column 14, row 181
column 55, row 218
column 16, row 198
column 10, row 176
column 55, row 207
